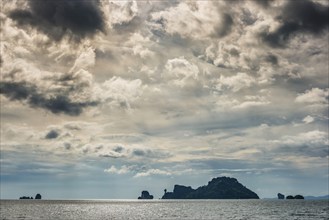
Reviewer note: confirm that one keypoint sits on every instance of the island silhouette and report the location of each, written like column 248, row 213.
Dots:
column 37, row 196
column 145, row 195
column 217, row 188
column 281, row 196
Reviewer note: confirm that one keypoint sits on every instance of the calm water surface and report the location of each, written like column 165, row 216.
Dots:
column 164, row 209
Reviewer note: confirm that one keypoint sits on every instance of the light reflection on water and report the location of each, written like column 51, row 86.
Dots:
column 164, row 209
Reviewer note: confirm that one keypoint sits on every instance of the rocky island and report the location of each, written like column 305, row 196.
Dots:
column 37, row 196
column 280, row 196
column 295, row 197
column 217, row 188
column 145, row 195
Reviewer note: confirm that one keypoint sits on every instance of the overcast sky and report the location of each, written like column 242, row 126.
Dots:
column 104, row 99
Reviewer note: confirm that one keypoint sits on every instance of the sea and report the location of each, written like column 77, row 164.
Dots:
column 164, row 209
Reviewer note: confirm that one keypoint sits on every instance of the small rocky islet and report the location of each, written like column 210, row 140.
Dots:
column 281, row 196
column 37, row 196
column 145, row 195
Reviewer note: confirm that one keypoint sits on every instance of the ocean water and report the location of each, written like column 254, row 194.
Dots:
column 164, row 209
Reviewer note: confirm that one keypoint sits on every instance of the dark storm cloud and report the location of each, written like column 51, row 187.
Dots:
column 57, row 18
column 298, row 16
column 264, row 3
column 225, row 27
column 56, row 104
column 52, row 134
column 272, row 59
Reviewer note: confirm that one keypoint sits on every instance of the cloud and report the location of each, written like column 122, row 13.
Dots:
column 131, row 152
column 29, row 93
column 311, row 137
column 122, row 12
column 173, row 82
column 313, row 96
column 123, row 170
column 272, row 59
column 197, row 20
column 236, row 82
column 308, row 119
column 228, row 103
column 52, row 134
column 264, row 3
column 151, row 172
column 141, row 171
column 225, row 26
column 26, row 81
column 180, row 71
column 85, row 60
column 120, row 92
column 78, row 19
column 298, row 17
column 311, row 144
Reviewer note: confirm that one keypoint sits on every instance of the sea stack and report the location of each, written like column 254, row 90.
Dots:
column 145, row 195
column 280, row 196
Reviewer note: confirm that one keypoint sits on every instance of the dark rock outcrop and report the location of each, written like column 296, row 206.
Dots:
column 299, row 197
column 295, row 197
column 180, row 192
column 37, row 196
column 217, row 188
column 280, row 196
column 145, row 195
column 25, row 197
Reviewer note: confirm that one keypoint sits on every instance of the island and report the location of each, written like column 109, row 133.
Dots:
column 145, row 195
column 280, row 196
column 217, row 188
column 37, row 196
column 25, row 197
column 295, row 197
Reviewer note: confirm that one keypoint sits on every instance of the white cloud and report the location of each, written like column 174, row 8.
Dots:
column 308, row 119
column 140, row 45
column 226, row 102
column 236, row 82
column 85, row 60
column 196, row 19
column 137, row 170
column 312, row 137
column 314, row 96
column 151, row 172
column 180, row 71
column 122, row 170
column 120, row 12
column 119, row 91
column 181, row 67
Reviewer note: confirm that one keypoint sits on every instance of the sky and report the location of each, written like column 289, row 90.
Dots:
column 104, row 99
